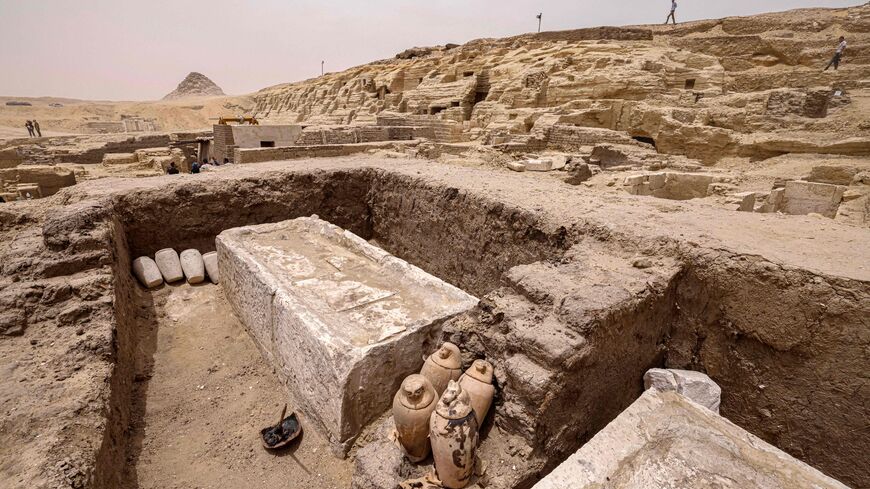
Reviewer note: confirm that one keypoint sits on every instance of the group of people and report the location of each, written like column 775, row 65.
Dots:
column 835, row 61
column 197, row 167
column 33, row 129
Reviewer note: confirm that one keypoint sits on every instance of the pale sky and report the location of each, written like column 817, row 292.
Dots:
column 140, row 50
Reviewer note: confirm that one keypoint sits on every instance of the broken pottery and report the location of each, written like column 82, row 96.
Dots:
column 477, row 382
column 191, row 263
column 211, row 266
column 169, row 265
column 442, row 366
column 412, row 407
column 453, row 434
column 147, row 272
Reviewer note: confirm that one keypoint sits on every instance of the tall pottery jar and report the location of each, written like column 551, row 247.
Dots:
column 412, row 407
column 442, row 366
column 453, row 433
column 477, row 382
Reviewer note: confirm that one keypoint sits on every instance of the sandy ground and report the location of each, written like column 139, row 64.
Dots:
column 208, row 395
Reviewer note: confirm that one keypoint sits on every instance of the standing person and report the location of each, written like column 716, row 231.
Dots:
column 835, row 61
column 36, row 128
column 672, row 15
column 29, row 126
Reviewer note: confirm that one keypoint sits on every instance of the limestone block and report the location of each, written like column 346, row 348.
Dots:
column 801, row 198
column 540, row 164
column 635, row 180
column 342, row 321
column 747, row 201
column 120, row 158
column 559, row 161
column 192, row 265
column 169, row 264
column 657, row 180
column 695, row 385
column 516, row 166
column 210, row 260
column 833, row 174
column 663, row 440
column 774, row 201
column 147, row 272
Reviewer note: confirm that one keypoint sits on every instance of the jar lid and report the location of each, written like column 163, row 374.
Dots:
column 455, row 403
column 417, row 392
column 480, row 370
column 448, row 356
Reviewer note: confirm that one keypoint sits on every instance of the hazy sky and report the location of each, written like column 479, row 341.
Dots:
column 140, row 50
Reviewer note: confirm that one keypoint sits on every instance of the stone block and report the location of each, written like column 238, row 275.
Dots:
column 515, row 166
column 191, row 264
column 747, row 201
column 120, row 158
column 210, row 260
column 663, row 440
column 696, row 386
column 657, row 180
column 342, row 321
column 833, row 174
column 801, row 198
column 774, row 201
column 635, row 180
column 146, row 270
column 169, row 264
column 540, row 164
column 579, row 174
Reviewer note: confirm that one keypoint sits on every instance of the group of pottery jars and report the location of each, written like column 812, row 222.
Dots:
column 443, row 408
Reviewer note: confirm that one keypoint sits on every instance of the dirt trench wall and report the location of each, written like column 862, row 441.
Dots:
column 191, row 215
column 467, row 240
column 789, row 350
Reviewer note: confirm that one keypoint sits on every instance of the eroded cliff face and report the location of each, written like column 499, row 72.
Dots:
column 704, row 89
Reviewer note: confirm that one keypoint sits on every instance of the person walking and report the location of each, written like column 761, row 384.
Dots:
column 29, row 126
column 36, row 128
column 838, row 55
column 672, row 15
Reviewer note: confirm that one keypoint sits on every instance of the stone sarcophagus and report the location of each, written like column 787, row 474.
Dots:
column 342, row 321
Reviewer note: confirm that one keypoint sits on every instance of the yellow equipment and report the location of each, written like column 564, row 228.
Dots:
column 239, row 120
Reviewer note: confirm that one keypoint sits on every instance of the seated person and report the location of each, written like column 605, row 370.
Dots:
column 172, row 170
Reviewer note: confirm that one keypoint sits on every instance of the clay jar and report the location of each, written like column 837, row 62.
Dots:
column 453, row 433
column 442, row 366
column 477, row 382
column 412, row 407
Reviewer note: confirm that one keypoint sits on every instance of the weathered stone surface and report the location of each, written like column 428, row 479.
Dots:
column 801, row 198
column 343, row 321
column 695, row 385
column 833, row 174
column 147, row 272
column 580, row 172
column 516, row 166
column 169, row 264
column 210, row 260
column 747, row 201
column 539, row 164
column 120, row 158
column 663, row 440
column 191, row 264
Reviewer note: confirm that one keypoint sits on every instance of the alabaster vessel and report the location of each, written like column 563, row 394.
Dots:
column 477, row 382
column 210, row 260
column 412, row 407
column 147, row 272
column 453, row 434
column 169, row 264
column 442, row 366
column 191, row 264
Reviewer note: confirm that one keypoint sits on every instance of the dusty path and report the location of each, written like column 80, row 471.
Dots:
column 208, row 395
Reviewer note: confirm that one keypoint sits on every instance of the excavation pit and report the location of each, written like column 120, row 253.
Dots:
column 573, row 288
column 343, row 321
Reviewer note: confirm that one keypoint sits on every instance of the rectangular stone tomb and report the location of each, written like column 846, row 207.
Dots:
column 342, row 321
